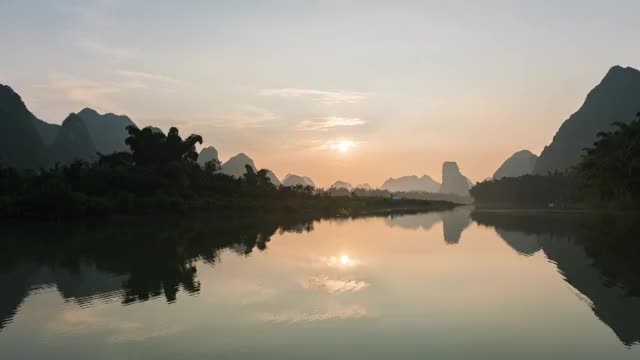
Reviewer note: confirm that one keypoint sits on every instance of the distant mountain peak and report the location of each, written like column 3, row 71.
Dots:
column 91, row 113
column 411, row 183
column 273, row 177
column 73, row 141
column 242, row 156
column 520, row 163
column 342, row 185
column 88, row 111
column 453, row 182
column 618, row 70
column 523, row 153
column 293, row 180
column 108, row 131
column 236, row 165
column 207, row 154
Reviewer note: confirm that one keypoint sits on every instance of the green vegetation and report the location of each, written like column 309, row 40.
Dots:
column 161, row 174
column 611, row 168
column 607, row 176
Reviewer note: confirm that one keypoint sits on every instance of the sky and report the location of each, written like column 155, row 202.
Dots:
column 358, row 91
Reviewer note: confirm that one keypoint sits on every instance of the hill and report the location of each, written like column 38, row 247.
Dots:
column 20, row 143
column 616, row 98
column 107, row 131
column 411, row 183
column 235, row 166
column 521, row 163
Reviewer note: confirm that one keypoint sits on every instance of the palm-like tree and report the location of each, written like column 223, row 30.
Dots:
column 153, row 147
column 612, row 165
column 259, row 178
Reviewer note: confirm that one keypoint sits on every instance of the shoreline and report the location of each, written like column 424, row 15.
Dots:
column 309, row 209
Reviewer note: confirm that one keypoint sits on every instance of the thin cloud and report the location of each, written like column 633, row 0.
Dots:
column 84, row 91
column 340, row 145
column 328, row 97
column 327, row 123
column 99, row 93
column 248, row 117
column 145, row 76
column 111, row 51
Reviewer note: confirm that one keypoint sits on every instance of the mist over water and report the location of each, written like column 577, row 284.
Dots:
column 454, row 284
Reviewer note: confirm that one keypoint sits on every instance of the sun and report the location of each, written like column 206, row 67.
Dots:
column 344, row 146
column 340, row 145
column 345, row 259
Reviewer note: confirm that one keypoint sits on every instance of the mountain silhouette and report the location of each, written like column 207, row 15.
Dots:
column 616, row 98
column 236, row 165
column 274, row 179
column 342, row 185
column 207, row 154
column 48, row 132
column 108, row 131
column 294, row 180
column 453, row 182
column 521, row 163
column 411, row 183
column 364, row 186
column 20, row 143
column 73, row 141
column 309, row 181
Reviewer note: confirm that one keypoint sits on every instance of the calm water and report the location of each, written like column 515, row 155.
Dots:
column 451, row 285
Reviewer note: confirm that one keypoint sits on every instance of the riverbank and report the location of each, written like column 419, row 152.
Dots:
column 277, row 203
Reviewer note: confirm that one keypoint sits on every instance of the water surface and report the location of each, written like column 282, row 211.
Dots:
column 447, row 285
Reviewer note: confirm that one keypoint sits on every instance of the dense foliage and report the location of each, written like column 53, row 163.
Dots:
column 531, row 191
column 611, row 168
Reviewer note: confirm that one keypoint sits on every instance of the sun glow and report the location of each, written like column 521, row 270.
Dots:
column 344, row 259
column 342, row 146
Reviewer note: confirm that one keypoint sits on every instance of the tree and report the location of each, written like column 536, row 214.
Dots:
column 259, row 179
column 152, row 147
column 611, row 167
column 212, row 166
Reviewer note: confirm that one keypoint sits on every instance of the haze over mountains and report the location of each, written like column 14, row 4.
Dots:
column 342, row 185
column 295, row 180
column 411, row 183
column 29, row 142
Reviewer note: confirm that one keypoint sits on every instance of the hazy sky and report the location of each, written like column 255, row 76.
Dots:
column 400, row 85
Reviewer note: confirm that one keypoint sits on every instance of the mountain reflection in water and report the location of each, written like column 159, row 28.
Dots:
column 130, row 261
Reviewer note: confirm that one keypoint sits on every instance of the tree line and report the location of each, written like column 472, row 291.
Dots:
column 160, row 173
